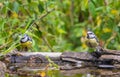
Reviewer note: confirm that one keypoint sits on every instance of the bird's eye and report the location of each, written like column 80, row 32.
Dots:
column 90, row 33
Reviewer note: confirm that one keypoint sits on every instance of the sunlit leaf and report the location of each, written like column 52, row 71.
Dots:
column 1, row 5
column 61, row 31
column 119, row 24
column 92, row 8
column 14, row 15
column 107, row 30
column 41, row 74
column 115, row 12
column 84, row 45
column 84, row 4
column 78, row 32
column 84, row 33
column 98, row 19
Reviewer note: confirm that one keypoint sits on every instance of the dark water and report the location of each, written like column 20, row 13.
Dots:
column 75, row 73
column 31, row 70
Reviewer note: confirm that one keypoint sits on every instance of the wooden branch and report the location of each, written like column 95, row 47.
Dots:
column 65, row 56
column 78, row 56
column 25, row 62
column 34, row 57
column 2, row 69
column 109, row 59
column 48, row 12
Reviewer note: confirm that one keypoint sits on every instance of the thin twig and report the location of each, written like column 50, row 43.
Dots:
column 2, row 46
column 105, row 2
column 43, row 38
column 37, row 26
column 111, row 38
column 40, row 18
column 71, row 12
column 44, row 15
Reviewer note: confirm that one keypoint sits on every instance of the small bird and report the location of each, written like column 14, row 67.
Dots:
column 91, row 40
column 26, row 42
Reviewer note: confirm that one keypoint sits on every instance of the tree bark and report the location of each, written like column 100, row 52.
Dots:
column 108, row 57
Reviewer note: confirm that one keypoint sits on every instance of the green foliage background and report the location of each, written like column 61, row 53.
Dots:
column 64, row 28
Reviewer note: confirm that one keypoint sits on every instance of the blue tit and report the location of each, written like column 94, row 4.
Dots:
column 26, row 42
column 91, row 40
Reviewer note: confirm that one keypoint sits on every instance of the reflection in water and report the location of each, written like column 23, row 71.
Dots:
column 35, row 70
column 91, row 72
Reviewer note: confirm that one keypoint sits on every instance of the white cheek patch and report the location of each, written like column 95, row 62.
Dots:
column 24, row 39
column 92, row 36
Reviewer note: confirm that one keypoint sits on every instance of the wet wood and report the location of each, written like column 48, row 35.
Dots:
column 56, row 56
column 2, row 69
column 31, row 57
column 108, row 57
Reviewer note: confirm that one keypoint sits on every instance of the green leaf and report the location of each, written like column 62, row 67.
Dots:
column 84, row 5
column 92, row 9
column 38, row 33
column 29, row 1
column 40, row 7
column 2, row 24
column 16, row 6
column 61, row 31
column 106, row 36
column 29, row 24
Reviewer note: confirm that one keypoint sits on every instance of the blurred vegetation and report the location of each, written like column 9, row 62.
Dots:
column 59, row 25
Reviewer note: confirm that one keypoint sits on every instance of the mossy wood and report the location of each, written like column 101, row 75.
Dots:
column 108, row 57
column 26, row 61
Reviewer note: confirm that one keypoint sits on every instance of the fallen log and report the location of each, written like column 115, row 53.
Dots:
column 2, row 69
column 57, row 56
column 42, row 57
column 37, row 57
column 66, row 60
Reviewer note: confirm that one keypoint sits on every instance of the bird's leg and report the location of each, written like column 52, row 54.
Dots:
column 99, row 49
column 25, row 48
column 97, row 53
